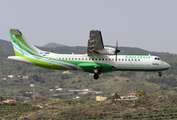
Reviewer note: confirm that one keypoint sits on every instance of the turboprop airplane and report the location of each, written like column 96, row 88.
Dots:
column 98, row 59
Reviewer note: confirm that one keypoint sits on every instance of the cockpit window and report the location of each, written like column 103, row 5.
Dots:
column 157, row 58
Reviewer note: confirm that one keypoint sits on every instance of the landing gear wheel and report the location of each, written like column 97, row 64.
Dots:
column 96, row 76
column 96, row 72
column 160, row 74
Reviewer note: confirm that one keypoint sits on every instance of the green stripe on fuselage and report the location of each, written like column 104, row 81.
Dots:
column 41, row 63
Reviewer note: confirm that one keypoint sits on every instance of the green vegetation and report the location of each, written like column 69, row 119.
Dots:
column 141, row 93
column 15, row 110
column 115, row 96
column 158, row 106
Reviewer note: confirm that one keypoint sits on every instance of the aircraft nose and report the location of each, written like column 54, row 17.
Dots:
column 168, row 65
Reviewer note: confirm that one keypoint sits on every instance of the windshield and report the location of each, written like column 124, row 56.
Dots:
column 157, row 58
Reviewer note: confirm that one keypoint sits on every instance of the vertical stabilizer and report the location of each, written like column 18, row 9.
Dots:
column 21, row 45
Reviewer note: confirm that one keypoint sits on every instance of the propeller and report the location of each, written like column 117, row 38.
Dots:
column 117, row 50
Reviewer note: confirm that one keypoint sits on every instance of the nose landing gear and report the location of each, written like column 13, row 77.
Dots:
column 160, row 74
column 96, row 72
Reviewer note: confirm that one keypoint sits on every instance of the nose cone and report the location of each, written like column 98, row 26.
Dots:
column 168, row 66
column 165, row 65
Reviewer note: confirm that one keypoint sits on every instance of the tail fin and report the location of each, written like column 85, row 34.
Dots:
column 21, row 45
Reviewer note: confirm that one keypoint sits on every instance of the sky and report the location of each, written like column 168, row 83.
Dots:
column 146, row 24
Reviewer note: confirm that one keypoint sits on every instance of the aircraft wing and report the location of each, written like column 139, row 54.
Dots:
column 95, row 43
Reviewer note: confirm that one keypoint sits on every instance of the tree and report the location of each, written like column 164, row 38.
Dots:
column 138, row 91
column 37, row 78
column 1, row 98
column 115, row 96
column 126, row 116
column 79, row 81
column 75, row 93
column 73, row 81
column 17, row 99
column 64, row 76
column 143, row 92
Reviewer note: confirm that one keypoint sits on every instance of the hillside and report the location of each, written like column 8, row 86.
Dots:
column 119, row 81
column 53, row 45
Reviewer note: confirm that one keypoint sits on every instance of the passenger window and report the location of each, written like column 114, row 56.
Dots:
column 106, row 59
column 62, row 58
column 122, row 59
column 138, row 59
column 85, row 58
column 92, row 58
column 103, row 59
column 82, row 58
column 119, row 59
column 125, row 59
column 78, row 58
column 65, row 58
column 128, row 59
column 112, row 59
column 99, row 58
column 72, row 58
column 109, row 59
column 135, row 59
column 132, row 59
column 69, row 58
column 75, row 58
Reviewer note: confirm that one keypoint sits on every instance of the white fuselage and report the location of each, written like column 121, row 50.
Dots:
column 123, row 62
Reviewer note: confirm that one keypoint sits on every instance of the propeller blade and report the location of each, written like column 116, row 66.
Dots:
column 116, row 56
column 116, row 50
column 116, row 44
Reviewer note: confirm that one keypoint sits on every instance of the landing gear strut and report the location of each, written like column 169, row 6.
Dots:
column 160, row 74
column 96, row 72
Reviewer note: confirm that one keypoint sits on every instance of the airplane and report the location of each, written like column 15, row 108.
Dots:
column 98, row 59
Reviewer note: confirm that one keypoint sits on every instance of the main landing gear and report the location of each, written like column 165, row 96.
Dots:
column 96, row 72
column 160, row 74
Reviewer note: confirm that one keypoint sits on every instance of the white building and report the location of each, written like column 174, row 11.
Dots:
column 11, row 76
column 77, row 97
column 59, row 89
column 50, row 89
